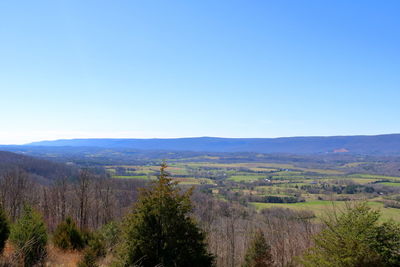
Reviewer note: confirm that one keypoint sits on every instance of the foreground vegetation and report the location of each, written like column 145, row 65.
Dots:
column 355, row 238
column 233, row 213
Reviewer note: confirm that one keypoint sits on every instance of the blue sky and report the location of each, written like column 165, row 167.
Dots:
column 145, row 69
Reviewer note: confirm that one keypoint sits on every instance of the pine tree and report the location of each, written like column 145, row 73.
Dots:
column 160, row 231
column 259, row 252
column 4, row 229
column 29, row 237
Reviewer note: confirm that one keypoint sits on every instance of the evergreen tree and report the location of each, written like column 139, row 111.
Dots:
column 259, row 252
column 4, row 229
column 159, row 230
column 29, row 237
column 356, row 238
column 68, row 236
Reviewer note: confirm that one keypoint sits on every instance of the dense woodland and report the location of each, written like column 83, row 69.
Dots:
column 83, row 210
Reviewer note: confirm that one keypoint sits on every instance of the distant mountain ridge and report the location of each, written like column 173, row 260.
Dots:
column 360, row 144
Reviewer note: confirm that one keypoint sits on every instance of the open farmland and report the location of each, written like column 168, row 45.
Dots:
column 290, row 184
column 323, row 208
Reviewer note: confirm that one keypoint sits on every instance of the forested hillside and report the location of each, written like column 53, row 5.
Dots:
column 42, row 169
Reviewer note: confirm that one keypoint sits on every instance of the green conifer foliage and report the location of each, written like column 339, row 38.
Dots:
column 160, row 231
column 4, row 229
column 95, row 250
column 67, row 236
column 356, row 238
column 29, row 237
column 259, row 252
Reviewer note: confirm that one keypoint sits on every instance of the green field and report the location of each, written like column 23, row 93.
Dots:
column 316, row 205
column 143, row 177
column 324, row 208
column 390, row 184
column 246, row 178
column 373, row 176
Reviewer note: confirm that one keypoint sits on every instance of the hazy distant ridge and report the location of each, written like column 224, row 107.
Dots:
column 379, row 144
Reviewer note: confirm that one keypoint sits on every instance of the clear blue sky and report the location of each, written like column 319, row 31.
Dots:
column 198, row 68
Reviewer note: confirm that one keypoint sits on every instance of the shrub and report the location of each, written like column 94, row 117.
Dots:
column 95, row 250
column 29, row 237
column 88, row 260
column 96, row 245
column 4, row 229
column 356, row 238
column 87, row 236
column 68, row 236
column 110, row 234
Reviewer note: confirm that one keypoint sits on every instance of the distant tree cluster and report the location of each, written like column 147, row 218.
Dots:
column 325, row 188
column 276, row 199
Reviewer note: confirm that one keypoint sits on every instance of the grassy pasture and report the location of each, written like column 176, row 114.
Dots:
column 322, row 208
column 364, row 180
column 359, row 180
column 246, row 178
column 373, row 176
column 390, row 184
column 143, row 177
column 193, row 181
column 289, row 178
column 353, row 164
column 241, row 165
column 291, row 185
column 294, row 174
column 267, row 166
column 317, row 206
column 263, row 169
column 322, row 171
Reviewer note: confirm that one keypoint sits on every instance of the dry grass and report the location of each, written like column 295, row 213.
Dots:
column 60, row 258
column 8, row 250
column 55, row 257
